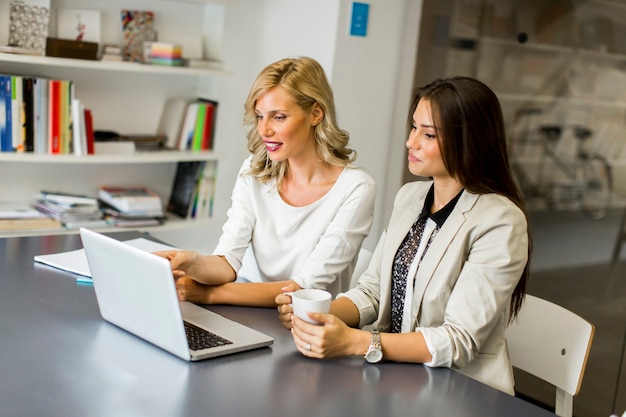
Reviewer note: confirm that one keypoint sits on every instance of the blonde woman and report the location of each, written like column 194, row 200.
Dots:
column 298, row 201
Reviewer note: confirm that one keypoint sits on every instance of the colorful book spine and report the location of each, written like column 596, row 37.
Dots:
column 6, row 130
column 65, row 128
column 28, row 115
column 208, row 127
column 211, row 118
column 16, row 112
column 89, row 133
column 35, row 114
column 54, row 112
column 199, row 128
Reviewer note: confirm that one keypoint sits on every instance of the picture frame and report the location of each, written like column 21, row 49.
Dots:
column 78, row 25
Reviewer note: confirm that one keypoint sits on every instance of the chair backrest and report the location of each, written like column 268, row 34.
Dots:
column 551, row 343
column 361, row 265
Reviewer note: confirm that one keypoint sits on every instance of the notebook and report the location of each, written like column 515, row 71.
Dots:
column 135, row 291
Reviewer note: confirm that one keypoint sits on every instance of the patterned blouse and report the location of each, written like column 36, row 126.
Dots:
column 407, row 251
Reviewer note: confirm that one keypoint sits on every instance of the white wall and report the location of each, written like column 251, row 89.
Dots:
column 373, row 79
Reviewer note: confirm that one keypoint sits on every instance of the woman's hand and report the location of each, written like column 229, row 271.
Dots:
column 285, row 310
column 190, row 290
column 333, row 338
column 182, row 261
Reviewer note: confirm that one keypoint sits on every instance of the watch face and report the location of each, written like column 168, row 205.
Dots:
column 374, row 355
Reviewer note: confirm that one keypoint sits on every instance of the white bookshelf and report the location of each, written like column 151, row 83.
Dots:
column 125, row 97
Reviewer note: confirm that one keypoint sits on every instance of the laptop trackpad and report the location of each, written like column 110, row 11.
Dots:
column 197, row 314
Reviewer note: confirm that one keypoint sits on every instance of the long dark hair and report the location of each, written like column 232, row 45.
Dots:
column 473, row 146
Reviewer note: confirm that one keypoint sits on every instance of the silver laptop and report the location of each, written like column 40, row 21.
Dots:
column 136, row 291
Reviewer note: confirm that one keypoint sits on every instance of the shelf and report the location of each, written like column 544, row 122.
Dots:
column 115, row 66
column 136, row 158
column 172, row 223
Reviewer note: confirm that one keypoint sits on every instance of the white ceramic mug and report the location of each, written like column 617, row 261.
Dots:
column 310, row 300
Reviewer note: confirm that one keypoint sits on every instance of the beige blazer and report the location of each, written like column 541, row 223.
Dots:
column 463, row 285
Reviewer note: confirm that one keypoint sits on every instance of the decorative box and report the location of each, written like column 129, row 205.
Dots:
column 66, row 48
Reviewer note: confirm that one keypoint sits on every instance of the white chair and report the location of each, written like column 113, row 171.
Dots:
column 361, row 265
column 551, row 343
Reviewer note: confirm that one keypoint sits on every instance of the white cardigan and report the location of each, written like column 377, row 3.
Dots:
column 316, row 245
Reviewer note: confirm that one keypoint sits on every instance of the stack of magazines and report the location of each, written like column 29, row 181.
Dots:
column 71, row 210
column 131, row 206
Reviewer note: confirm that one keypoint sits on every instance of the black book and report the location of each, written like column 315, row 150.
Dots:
column 28, row 119
column 184, row 187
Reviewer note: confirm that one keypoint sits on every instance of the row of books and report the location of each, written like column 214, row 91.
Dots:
column 189, row 124
column 42, row 115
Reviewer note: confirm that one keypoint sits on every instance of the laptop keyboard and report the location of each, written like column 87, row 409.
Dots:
column 199, row 339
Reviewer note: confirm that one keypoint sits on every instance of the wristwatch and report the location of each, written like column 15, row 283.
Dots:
column 374, row 353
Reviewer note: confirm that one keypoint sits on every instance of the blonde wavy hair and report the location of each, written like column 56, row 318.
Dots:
column 305, row 81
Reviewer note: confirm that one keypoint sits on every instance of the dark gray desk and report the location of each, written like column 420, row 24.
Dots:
column 58, row 358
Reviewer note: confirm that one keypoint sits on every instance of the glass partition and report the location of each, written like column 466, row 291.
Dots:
column 559, row 70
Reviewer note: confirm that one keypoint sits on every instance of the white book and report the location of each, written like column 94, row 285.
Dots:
column 78, row 126
column 185, row 139
column 17, row 112
column 83, row 129
column 172, row 118
column 41, row 116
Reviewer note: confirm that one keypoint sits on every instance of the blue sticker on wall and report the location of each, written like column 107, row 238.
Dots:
column 358, row 20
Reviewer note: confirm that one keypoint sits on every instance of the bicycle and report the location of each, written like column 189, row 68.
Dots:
column 587, row 181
